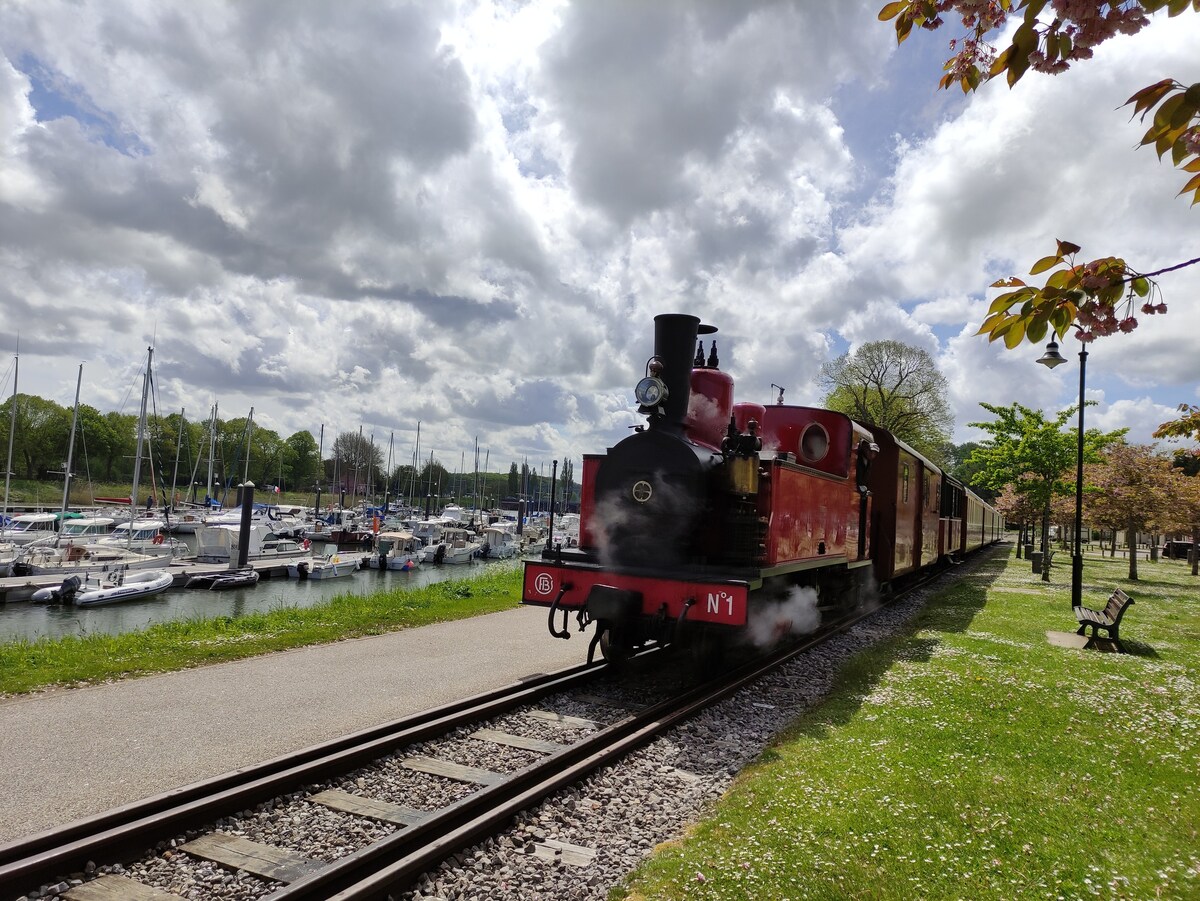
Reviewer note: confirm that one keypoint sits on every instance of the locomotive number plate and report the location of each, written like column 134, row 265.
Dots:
column 723, row 603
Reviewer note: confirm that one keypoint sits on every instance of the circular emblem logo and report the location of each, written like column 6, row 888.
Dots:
column 543, row 584
column 642, row 491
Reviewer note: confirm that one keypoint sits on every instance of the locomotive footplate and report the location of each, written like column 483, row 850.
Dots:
column 716, row 600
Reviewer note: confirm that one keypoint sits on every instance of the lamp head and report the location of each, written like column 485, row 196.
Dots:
column 1051, row 357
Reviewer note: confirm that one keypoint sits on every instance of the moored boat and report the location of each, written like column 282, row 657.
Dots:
column 224, row 580
column 333, row 566
column 108, row 588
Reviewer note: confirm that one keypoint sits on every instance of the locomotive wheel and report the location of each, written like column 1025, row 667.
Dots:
column 612, row 648
column 706, row 654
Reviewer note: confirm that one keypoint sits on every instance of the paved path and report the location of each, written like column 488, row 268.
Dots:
column 68, row 753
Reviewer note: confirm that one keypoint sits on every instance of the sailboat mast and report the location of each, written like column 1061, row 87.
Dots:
column 141, row 436
column 178, row 448
column 71, row 443
column 212, row 447
column 12, row 430
column 320, row 472
column 249, row 433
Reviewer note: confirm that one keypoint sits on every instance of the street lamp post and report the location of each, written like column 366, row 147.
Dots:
column 1050, row 359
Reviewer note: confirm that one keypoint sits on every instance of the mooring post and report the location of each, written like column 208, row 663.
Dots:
column 247, row 492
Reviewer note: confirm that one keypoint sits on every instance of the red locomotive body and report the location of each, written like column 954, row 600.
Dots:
column 715, row 513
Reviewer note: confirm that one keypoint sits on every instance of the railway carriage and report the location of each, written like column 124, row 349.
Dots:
column 718, row 518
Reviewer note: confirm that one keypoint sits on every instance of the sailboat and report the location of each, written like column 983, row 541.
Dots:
column 8, row 550
column 69, row 557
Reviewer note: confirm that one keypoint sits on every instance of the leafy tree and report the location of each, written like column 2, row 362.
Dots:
column 1186, row 426
column 968, row 471
column 1182, row 513
column 433, row 479
column 1132, row 492
column 1034, row 455
column 1018, row 510
column 356, row 455
column 300, row 463
column 1097, row 297
column 514, row 479
column 896, row 387
column 122, row 427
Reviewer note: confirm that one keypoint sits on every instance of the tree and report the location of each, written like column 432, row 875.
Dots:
column 968, row 471
column 1034, row 455
column 1133, row 493
column 300, row 463
column 514, row 480
column 356, row 454
column 1018, row 510
column 1096, row 297
column 1186, row 426
column 895, row 387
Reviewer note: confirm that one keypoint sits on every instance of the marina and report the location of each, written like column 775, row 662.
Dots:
column 22, row 620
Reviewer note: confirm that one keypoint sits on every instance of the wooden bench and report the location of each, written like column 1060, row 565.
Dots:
column 1108, row 619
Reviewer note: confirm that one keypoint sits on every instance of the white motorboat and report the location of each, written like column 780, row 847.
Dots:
column 219, row 544
column 8, row 555
column 108, row 588
column 499, row 543
column 67, row 558
column 143, row 536
column 26, row 528
column 85, row 529
column 455, row 546
column 333, row 566
column 396, row 551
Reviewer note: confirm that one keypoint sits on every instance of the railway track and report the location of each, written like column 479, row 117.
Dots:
column 405, row 841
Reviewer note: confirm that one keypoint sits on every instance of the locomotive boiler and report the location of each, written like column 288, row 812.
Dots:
column 717, row 519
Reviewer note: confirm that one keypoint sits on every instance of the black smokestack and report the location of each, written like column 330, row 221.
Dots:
column 675, row 346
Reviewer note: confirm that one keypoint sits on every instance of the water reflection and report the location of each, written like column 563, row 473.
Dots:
column 21, row 619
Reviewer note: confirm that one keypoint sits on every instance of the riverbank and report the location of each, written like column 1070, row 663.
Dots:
column 971, row 758
column 27, row 665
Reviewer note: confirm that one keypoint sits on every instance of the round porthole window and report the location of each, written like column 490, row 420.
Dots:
column 814, row 443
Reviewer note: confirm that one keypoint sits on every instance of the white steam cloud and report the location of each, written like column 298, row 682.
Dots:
column 771, row 621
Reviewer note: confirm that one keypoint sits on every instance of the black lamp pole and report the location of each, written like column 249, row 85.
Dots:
column 1077, row 560
column 1050, row 359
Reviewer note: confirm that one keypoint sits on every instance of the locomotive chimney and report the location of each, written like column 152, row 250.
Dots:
column 675, row 346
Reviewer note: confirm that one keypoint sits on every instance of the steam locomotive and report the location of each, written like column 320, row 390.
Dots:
column 717, row 520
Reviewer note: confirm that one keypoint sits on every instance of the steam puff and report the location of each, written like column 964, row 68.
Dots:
column 636, row 534
column 770, row 621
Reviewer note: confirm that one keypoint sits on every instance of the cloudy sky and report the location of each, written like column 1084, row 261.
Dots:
column 467, row 214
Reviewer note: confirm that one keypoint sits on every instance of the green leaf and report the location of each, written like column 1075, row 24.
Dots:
column 891, row 10
column 1045, row 263
column 1141, row 285
column 1015, row 335
column 1037, row 329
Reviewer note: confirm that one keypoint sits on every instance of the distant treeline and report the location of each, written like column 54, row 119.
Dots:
column 178, row 451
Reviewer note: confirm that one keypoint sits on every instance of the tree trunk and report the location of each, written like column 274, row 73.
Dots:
column 1154, row 548
column 1131, row 540
column 1195, row 549
column 1046, row 544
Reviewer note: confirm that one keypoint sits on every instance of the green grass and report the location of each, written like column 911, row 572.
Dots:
column 972, row 759
column 29, row 665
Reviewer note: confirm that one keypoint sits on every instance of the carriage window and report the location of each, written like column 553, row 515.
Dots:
column 925, row 491
column 904, row 481
column 814, row 443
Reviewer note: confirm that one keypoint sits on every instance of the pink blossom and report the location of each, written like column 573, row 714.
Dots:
column 1161, row 308
column 1128, row 324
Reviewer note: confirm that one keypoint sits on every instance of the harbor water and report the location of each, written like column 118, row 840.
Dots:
column 24, row 620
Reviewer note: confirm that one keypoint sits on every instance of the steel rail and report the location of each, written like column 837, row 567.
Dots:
column 131, row 828
column 397, row 860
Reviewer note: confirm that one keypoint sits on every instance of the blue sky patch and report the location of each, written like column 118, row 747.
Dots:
column 54, row 96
